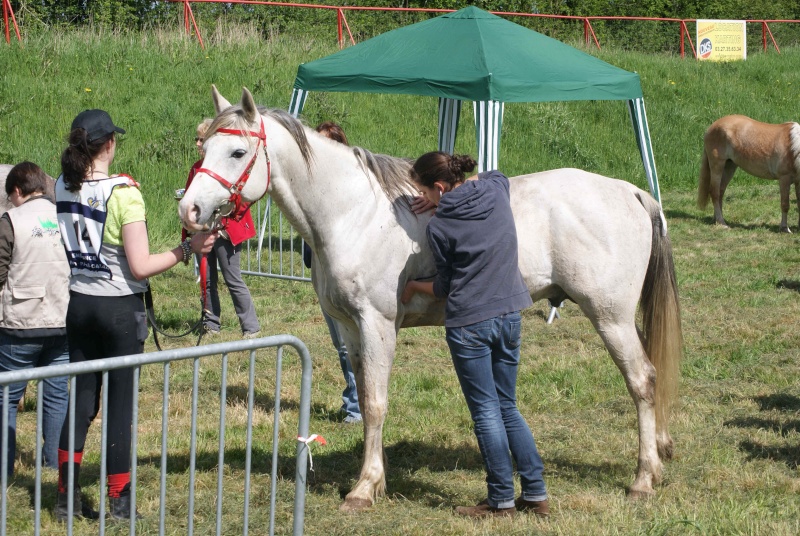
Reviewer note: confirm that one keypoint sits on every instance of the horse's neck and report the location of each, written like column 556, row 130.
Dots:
column 331, row 199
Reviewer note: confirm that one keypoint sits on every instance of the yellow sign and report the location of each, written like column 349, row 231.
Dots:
column 721, row 40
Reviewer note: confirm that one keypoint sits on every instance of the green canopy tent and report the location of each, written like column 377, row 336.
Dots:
column 472, row 55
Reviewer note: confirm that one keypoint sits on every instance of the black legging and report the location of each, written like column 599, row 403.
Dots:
column 99, row 327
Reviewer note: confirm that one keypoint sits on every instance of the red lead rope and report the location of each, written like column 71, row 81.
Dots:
column 235, row 189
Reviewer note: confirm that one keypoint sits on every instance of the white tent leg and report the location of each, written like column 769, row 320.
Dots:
column 488, row 123
column 642, row 131
column 449, row 113
column 554, row 313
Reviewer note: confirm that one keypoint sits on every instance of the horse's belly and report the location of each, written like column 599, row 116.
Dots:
column 433, row 315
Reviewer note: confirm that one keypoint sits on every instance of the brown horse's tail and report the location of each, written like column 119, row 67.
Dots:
column 704, row 185
column 661, row 322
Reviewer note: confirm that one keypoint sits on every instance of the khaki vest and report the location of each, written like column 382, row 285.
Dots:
column 36, row 293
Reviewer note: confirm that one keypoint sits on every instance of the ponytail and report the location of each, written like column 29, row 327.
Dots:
column 77, row 159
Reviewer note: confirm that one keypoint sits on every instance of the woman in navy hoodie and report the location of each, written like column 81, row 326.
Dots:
column 474, row 243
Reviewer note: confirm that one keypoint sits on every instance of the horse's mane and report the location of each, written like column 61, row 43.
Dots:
column 390, row 172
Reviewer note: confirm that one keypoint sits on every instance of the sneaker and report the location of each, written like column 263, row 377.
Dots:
column 482, row 510
column 251, row 334
column 540, row 508
column 352, row 419
column 210, row 331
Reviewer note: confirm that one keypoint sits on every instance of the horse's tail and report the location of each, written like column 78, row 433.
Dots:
column 661, row 322
column 704, row 185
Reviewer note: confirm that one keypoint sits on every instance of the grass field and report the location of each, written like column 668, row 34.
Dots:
column 736, row 427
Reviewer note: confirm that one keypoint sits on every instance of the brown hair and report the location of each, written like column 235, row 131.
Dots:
column 333, row 131
column 78, row 157
column 28, row 177
column 437, row 166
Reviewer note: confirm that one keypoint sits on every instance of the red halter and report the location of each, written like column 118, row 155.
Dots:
column 235, row 189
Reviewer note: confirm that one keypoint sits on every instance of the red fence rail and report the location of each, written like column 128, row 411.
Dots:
column 589, row 35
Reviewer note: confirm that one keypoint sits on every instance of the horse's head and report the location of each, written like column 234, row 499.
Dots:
column 236, row 168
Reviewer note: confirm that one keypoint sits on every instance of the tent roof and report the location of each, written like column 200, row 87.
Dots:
column 469, row 55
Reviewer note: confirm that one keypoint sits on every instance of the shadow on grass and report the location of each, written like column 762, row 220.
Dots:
column 779, row 401
column 709, row 221
column 773, row 425
column 49, row 491
column 237, row 395
column 789, row 454
column 788, row 285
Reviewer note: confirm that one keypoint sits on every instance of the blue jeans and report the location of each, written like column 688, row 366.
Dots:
column 18, row 353
column 350, row 393
column 486, row 359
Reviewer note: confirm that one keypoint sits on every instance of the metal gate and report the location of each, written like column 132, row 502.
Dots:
column 277, row 249
column 165, row 358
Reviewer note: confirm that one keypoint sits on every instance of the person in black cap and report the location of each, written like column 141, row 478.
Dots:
column 102, row 222
column 96, row 123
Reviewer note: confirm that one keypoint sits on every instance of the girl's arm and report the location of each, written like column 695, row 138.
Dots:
column 143, row 264
column 412, row 287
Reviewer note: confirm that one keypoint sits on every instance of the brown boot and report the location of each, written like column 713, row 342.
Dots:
column 482, row 509
column 540, row 508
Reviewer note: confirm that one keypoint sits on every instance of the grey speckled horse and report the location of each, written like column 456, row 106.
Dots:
column 600, row 242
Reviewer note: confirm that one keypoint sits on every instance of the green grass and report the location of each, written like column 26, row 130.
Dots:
column 736, row 428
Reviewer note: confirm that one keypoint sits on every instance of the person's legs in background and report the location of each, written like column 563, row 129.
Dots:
column 211, row 321
column 229, row 257
column 350, row 394
column 15, row 354
column 55, row 398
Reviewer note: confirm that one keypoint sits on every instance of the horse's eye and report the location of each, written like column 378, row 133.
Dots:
column 238, row 153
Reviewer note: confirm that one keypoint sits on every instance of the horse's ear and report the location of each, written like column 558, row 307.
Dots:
column 249, row 106
column 220, row 103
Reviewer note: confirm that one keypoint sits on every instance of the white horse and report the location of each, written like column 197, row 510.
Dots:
column 597, row 241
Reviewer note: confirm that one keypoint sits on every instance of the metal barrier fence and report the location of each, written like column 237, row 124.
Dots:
column 166, row 358
column 277, row 250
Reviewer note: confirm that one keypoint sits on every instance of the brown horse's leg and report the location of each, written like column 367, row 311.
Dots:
column 717, row 169
column 725, row 175
column 785, row 182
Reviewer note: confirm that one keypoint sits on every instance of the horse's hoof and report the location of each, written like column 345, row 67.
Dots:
column 786, row 230
column 666, row 451
column 355, row 506
column 640, row 494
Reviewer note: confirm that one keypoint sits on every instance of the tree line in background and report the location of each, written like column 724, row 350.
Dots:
column 650, row 36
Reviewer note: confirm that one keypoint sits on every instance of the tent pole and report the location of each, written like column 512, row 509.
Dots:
column 449, row 114
column 488, row 124
column 641, row 129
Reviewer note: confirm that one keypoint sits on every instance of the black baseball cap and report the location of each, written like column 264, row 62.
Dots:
column 96, row 123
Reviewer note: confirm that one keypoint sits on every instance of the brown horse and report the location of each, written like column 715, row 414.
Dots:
column 761, row 149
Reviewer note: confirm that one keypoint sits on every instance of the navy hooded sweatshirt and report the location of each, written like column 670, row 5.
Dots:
column 474, row 243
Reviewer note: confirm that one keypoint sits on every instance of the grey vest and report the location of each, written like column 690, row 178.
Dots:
column 36, row 293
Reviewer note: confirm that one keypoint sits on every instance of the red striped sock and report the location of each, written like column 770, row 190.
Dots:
column 118, row 483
